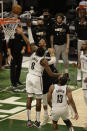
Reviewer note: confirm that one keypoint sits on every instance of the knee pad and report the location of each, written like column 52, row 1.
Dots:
column 68, row 123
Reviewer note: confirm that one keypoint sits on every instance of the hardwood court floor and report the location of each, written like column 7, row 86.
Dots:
column 81, row 107
column 19, row 125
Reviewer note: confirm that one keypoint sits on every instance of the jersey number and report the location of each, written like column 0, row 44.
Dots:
column 32, row 65
column 59, row 98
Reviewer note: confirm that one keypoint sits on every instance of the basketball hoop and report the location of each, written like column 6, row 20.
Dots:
column 9, row 25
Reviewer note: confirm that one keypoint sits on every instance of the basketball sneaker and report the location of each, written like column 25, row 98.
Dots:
column 71, row 129
column 14, row 86
column 36, row 124
column 29, row 123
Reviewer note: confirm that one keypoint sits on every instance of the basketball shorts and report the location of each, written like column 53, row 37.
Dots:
column 34, row 85
column 62, row 112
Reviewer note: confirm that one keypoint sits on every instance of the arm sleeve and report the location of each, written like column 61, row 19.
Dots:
column 52, row 61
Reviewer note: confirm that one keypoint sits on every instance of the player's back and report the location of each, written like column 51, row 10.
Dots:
column 59, row 98
column 35, row 67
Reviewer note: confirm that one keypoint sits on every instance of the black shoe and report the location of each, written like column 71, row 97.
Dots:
column 36, row 124
column 14, row 86
column 19, row 83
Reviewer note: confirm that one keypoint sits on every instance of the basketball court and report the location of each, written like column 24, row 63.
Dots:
column 18, row 119
column 81, row 107
column 15, row 117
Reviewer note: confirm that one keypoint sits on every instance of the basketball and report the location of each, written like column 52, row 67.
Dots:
column 16, row 9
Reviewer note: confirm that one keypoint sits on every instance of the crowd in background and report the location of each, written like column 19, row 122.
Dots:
column 65, row 32
column 41, row 25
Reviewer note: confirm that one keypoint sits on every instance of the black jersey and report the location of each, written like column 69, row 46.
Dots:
column 48, row 80
column 59, row 32
column 16, row 45
column 81, row 29
column 39, row 32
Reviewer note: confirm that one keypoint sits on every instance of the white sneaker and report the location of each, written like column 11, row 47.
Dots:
column 45, row 120
column 71, row 129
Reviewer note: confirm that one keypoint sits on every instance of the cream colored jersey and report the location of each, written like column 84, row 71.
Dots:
column 35, row 67
column 83, row 58
column 59, row 98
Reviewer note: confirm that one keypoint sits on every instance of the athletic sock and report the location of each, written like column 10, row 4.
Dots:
column 79, row 71
column 46, row 113
column 66, row 70
column 29, row 114
column 38, row 116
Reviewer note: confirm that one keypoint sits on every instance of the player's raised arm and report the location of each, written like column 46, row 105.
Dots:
column 20, row 31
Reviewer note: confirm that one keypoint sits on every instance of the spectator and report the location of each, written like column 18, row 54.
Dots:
column 39, row 31
column 60, row 40
column 48, row 22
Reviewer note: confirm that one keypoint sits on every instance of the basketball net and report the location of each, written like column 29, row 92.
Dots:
column 9, row 25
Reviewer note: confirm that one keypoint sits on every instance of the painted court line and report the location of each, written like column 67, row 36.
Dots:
column 81, row 107
column 14, row 110
column 33, row 104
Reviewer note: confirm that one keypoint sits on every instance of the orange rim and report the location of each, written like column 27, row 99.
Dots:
column 9, row 20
